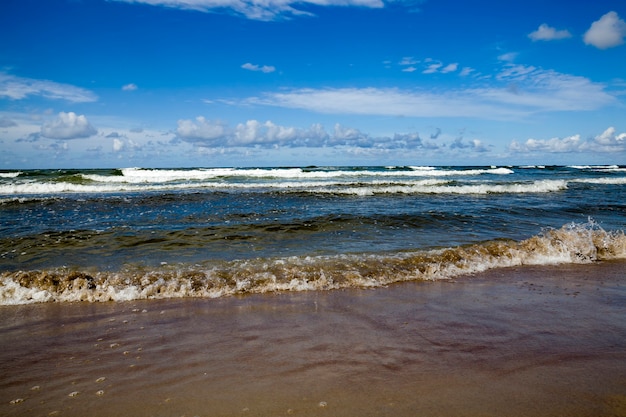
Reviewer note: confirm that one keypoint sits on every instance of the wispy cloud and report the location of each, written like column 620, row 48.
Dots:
column 257, row 10
column 408, row 60
column 432, row 68
column 607, row 32
column 450, row 68
column 517, row 92
column 253, row 67
column 129, row 87
column 548, row 33
column 18, row 88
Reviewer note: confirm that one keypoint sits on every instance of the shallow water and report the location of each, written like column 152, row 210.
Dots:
column 541, row 341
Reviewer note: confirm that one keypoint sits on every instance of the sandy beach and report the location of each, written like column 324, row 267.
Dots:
column 541, row 341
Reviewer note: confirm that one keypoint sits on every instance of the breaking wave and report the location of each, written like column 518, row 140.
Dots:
column 573, row 243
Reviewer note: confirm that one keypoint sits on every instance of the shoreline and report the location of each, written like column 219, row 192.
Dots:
column 533, row 340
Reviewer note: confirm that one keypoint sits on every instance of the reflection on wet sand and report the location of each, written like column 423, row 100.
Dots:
column 536, row 341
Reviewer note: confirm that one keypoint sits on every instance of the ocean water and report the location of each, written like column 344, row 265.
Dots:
column 124, row 234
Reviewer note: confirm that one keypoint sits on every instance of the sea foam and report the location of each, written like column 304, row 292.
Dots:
column 573, row 243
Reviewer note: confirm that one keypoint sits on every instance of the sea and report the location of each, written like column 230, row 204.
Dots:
column 97, row 235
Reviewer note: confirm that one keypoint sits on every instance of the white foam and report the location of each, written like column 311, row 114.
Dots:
column 605, row 181
column 573, row 243
column 609, row 167
column 9, row 174
column 434, row 187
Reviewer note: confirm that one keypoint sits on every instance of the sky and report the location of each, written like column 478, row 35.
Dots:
column 213, row 83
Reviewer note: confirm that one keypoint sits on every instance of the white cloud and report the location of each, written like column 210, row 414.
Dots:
column 473, row 144
column 257, row 10
column 517, row 92
column 118, row 145
column 438, row 67
column 408, row 60
column 450, row 68
column 17, row 88
column 200, row 130
column 255, row 134
column 432, row 68
column 548, row 33
column 409, row 69
column 607, row 141
column 607, row 32
column 252, row 67
column 251, row 133
column 68, row 126
column 129, row 87
column 554, row 145
column 508, row 57
column 466, row 71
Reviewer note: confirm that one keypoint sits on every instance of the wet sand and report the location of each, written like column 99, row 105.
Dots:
column 540, row 341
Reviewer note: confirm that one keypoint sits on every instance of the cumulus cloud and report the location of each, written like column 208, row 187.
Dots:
column 68, row 126
column 18, row 88
column 474, row 144
column 204, row 132
column 252, row 67
column 200, row 130
column 257, row 10
column 607, row 32
column 553, row 145
column 254, row 133
column 607, row 141
column 129, row 87
column 118, row 145
column 548, row 33
column 517, row 92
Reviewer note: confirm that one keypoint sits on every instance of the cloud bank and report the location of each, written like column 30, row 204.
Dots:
column 606, row 142
column 213, row 134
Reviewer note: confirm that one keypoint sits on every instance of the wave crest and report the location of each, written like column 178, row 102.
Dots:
column 573, row 243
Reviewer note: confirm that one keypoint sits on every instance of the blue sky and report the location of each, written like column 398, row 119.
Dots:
column 164, row 83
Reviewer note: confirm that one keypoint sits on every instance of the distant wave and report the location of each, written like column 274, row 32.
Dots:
column 9, row 174
column 573, row 243
column 432, row 186
column 141, row 175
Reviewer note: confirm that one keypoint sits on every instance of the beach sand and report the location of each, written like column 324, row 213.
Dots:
column 531, row 341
